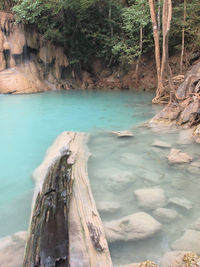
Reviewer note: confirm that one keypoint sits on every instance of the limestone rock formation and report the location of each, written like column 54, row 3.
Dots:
column 161, row 144
column 173, row 259
column 185, row 110
column 116, row 179
column 123, row 133
column 165, row 215
column 133, row 227
column 196, row 225
column 181, row 203
column 12, row 250
column 150, row 198
column 189, row 241
column 141, row 264
column 22, row 79
column 177, row 156
column 108, row 207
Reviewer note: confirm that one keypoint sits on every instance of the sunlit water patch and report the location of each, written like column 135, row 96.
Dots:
column 119, row 167
column 30, row 123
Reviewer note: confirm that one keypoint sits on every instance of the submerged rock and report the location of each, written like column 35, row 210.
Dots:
column 177, row 156
column 123, row 133
column 133, row 227
column 181, row 202
column 196, row 225
column 161, row 144
column 196, row 164
column 185, row 137
column 107, row 207
column 12, row 250
column 116, row 179
column 166, row 215
column 141, row 264
column 189, row 241
column 173, row 259
column 150, row 198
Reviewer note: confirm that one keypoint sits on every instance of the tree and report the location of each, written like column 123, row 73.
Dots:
column 183, row 38
column 159, row 91
column 162, row 66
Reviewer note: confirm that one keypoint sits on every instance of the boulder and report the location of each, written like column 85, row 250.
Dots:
column 196, row 164
column 173, row 259
column 141, row 264
column 23, row 79
column 133, row 227
column 185, row 137
column 177, row 156
column 12, row 250
column 116, row 179
column 123, row 133
column 108, row 207
column 196, row 225
column 161, row 144
column 166, row 215
column 181, row 203
column 190, row 241
column 150, row 198
column 197, row 131
column 193, row 169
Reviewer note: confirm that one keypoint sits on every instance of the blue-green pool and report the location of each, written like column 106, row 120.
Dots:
column 30, row 123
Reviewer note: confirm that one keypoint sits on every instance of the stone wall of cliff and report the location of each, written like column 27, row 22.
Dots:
column 27, row 63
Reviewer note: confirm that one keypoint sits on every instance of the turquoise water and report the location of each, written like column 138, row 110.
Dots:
column 30, row 123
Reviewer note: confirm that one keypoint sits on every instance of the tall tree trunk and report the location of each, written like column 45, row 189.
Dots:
column 111, row 29
column 159, row 90
column 183, row 38
column 139, row 57
column 166, row 21
column 159, row 6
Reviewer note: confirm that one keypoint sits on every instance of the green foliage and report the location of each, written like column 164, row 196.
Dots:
column 133, row 18
column 192, row 26
column 104, row 28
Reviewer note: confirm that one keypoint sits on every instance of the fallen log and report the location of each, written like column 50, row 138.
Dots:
column 65, row 228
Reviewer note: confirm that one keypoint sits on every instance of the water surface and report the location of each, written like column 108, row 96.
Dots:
column 30, row 123
column 146, row 166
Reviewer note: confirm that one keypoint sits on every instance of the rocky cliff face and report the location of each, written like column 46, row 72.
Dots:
column 27, row 63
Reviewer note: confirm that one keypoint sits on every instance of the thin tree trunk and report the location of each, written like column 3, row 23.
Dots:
column 166, row 20
column 159, row 17
column 183, row 38
column 139, row 57
column 111, row 29
column 157, row 51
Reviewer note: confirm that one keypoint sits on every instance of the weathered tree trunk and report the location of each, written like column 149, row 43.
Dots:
column 139, row 57
column 159, row 90
column 183, row 37
column 65, row 228
column 166, row 21
column 159, row 7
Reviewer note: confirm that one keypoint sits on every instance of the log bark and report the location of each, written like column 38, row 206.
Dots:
column 88, row 245
column 65, row 228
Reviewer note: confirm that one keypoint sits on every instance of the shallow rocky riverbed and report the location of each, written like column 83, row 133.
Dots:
column 147, row 192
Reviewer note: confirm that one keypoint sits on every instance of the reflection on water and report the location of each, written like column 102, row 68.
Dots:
column 120, row 166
